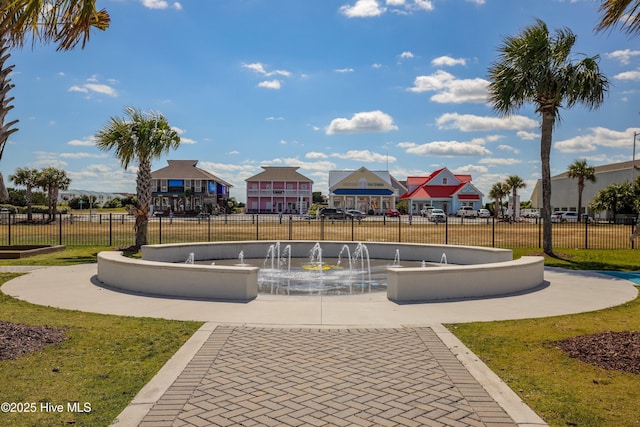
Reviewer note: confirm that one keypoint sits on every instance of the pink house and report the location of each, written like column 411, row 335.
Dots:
column 278, row 189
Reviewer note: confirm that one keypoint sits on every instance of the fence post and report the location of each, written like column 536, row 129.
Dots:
column 399, row 228
column 322, row 227
column 160, row 229
column 290, row 226
column 9, row 229
column 352, row 233
column 209, row 228
column 586, row 233
column 446, row 230
column 539, row 222
column 257, row 227
column 60, row 229
column 110, row 228
column 493, row 232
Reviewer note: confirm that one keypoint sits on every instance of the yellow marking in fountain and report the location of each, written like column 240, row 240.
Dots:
column 316, row 267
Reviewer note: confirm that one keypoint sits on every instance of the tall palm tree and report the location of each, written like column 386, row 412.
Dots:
column 536, row 67
column 52, row 180
column 582, row 172
column 514, row 183
column 497, row 192
column 65, row 23
column 140, row 138
column 28, row 178
column 620, row 12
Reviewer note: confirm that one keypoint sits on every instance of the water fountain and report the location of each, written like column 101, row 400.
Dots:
column 332, row 266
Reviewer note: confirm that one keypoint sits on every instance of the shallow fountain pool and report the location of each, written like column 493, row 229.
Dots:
column 332, row 276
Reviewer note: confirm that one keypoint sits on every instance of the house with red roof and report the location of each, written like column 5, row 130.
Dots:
column 442, row 189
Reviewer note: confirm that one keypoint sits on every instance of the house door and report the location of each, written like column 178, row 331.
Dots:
column 445, row 207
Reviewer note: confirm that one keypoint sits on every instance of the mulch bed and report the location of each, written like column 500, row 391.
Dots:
column 17, row 339
column 618, row 351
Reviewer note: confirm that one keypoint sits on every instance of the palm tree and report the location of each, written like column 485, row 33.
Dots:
column 64, row 23
column 29, row 178
column 623, row 12
column 141, row 138
column 514, row 183
column 498, row 191
column 52, row 180
column 536, row 67
column 583, row 172
column 615, row 198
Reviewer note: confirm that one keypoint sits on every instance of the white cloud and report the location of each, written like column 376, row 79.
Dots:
column 445, row 148
column 624, row 56
column 599, row 136
column 363, row 9
column 270, row 84
column 259, row 68
column 315, row 155
column 470, row 122
column 450, row 89
column 527, row 136
column 88, row 141
column 371, row 8
column 91, row 87
column 344, row 70
column 470, row 169
column 628, row 75
column 369, row 121
column 160, row 4
column 505, row 147
column 406, row 55
column 500, row 161
column 447, row 61
column 364, row 156
column 84, row 155
column 478, row 2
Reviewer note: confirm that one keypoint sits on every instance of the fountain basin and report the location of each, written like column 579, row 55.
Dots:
column 471, row 272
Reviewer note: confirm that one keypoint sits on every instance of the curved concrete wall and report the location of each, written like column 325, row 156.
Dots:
column 178, row 252
column 177, row 280
column 471, row 272
column 464, row 281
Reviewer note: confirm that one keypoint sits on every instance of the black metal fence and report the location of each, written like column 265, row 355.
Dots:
column 116, row 230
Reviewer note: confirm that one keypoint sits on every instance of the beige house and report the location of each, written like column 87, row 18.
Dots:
column 564, row 190
column 364, row 190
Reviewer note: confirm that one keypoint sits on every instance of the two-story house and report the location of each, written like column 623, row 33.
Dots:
column 443, row 190
column 364, row 190
column 183, row 187
column 279, row 189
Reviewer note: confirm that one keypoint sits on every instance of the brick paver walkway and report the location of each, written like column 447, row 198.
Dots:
column 258, row 376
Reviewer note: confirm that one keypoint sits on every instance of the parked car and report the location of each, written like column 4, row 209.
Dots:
column 331, row 213
column 564, row 216
column 484, row 213
column 437, row 215
column 393, row 212
column 530, row 213
column 356, row 214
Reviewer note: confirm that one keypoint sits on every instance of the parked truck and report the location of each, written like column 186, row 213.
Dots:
column 467, row 211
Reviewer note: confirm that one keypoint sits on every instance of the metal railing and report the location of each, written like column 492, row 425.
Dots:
column 117, row 230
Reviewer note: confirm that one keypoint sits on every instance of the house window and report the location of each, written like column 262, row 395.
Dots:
column 164, row 185
column 176, row 186
column 198, row 186
column 444, row 181
column 187, row 185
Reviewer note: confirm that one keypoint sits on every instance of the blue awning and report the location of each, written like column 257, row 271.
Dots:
column 363, row 192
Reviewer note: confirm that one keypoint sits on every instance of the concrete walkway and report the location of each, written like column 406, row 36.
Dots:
column 324, row 360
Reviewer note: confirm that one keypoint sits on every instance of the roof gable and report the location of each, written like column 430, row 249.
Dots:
column 362, row 178
column 279, row 173
column 185, row 169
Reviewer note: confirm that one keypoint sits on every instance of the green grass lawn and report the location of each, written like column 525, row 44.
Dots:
column 107, row 359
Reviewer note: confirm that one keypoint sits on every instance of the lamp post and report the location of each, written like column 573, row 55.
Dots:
column 633, row 162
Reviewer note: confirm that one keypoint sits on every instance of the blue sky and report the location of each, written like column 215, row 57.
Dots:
column 396, row 85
